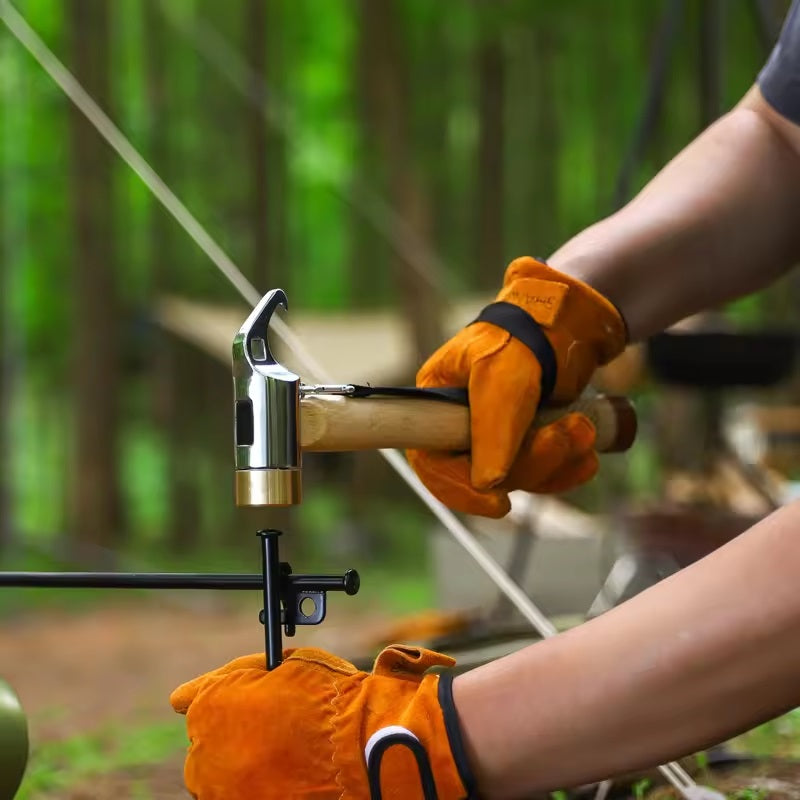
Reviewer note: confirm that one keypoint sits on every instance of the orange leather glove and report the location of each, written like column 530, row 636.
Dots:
column 547, row 335
column 317, row 727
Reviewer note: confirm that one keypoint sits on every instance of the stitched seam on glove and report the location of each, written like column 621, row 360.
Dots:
column 322, row 660
column 332, row 728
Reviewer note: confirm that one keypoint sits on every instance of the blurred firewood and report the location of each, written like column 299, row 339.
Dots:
column 420, row 628
column 723, row 488
column 770, row 436
column 489, row 222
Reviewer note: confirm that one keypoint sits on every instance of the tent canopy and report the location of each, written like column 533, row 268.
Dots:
column 353, row 346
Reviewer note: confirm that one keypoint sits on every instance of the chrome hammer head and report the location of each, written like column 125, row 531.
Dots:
column 267, row 410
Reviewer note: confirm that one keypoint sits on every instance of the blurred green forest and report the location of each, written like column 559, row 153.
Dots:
column 309, row 137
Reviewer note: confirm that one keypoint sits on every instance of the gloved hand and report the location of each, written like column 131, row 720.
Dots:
column 316, row 727
column 540, row 342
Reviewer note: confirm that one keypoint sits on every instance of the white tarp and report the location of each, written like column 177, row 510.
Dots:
column 353, row 346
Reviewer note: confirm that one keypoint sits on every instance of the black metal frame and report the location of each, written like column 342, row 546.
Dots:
column 285, row 594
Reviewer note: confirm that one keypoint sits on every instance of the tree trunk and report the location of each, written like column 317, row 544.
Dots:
column 7, row 382
column 489, row 226
column 96, row 507
column 172, row 364
column 439, row 58
column 388, row 112
column 711, row 61
column 255, row 23
column 368, row 285
column 547, row 139
column 277, row 178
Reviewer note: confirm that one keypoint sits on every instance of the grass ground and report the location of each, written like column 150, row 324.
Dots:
column 140, row 762
column 95, row 681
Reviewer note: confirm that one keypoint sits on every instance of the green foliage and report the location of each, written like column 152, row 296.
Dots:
column 573, row 85
column 640, row 788
column 144, row 478
column 60, row 765
column 749, row 793
column 779, row 738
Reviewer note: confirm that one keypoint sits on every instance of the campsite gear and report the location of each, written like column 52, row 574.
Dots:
column 717, row 359
column 538, row 344
column 289, row 600
column 716, row 494
column 319, row 727
column 13, row 742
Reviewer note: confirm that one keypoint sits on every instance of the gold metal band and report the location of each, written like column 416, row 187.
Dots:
column 268, row 487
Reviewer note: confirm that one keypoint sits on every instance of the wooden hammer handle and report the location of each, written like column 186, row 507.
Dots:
column 331, row 423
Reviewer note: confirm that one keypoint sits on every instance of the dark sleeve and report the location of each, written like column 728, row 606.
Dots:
column 779, row 80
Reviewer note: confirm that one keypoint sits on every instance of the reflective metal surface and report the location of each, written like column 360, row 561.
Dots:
column 13, row 742
column 327, row 388
column 267, row 410
column 268, row 487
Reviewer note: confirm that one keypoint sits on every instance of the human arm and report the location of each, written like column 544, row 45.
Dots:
column 718, row 222
column 711, row 651
column 705, row 654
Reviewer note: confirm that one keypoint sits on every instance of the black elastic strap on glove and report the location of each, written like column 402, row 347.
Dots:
column 400, row 739
column 513, row 319
column 454, row 737
column 446, row 394
column 521, row 325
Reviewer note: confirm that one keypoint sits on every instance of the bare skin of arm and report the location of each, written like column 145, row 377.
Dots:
column 705, row 654
column 718, row 222
column 713, row 650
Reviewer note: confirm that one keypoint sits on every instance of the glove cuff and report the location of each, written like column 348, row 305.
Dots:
column 452, row 727
column 563, row 295
column 584, row 328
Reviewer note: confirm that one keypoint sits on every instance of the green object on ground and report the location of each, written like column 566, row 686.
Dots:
column 13, row 742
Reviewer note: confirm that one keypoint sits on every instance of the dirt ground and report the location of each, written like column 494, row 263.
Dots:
column 78, row 672
column 159, row 781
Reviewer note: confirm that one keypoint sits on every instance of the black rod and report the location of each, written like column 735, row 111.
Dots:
column 348, row 583
column 131, row 580
column 170, row 580
column 272, row 599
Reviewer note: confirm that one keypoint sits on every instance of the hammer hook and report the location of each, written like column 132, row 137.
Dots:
column 256, row 327
column 256, row 342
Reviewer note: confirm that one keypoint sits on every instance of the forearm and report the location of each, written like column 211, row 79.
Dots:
column 708, row 653
column 718, row 222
